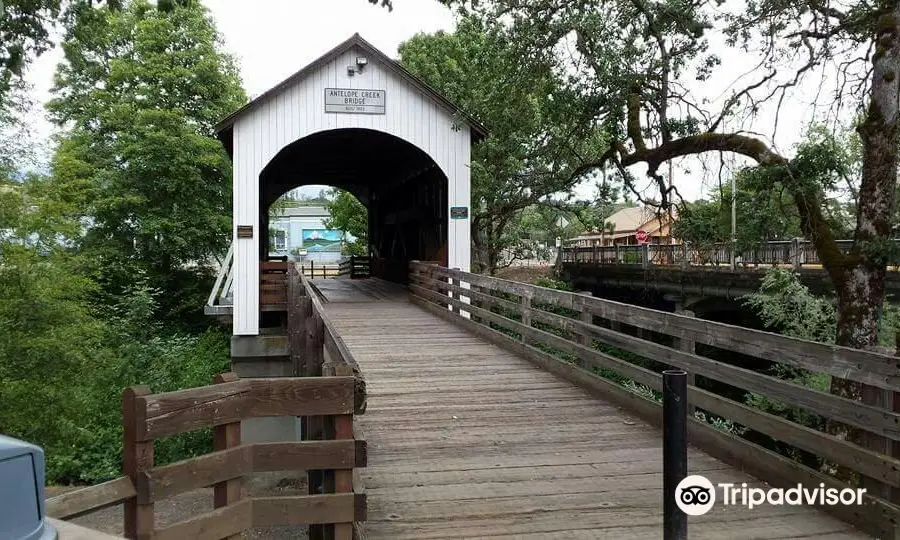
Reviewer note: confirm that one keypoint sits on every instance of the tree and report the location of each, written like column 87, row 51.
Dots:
column 24, row 33
column 140, row 91
column 534, row 147
column 348, row 215
column 632, row 61
column 764, row 212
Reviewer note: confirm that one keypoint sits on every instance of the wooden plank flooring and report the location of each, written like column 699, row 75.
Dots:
column 467, row 440
column 358, row 290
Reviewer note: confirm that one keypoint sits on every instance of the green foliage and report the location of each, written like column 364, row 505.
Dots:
column 703, row 223
column 534, row 148
column 102, row 264
column 784, row 303
column 552, row 283
column 63, row 368
column 348, row 215
column 140, row 91
column 765, row 207
column 24, row 34
column 628, row 66
column 787, row 306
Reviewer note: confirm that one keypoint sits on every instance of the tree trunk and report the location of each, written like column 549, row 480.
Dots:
column 860, row 285
column 479, row 248
column 860, row 297
column 861, row 289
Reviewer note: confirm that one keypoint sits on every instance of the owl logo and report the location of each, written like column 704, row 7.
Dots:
column 695, row 495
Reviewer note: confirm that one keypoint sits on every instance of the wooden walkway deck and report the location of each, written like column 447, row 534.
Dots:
column 467, row 440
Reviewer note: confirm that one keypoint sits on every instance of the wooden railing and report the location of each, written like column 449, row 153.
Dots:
column 360, row 267
column 224, row 280
column 327, row 398
column 356, row 267
column 317, row 349
column 222, row 406
column 579, row 337
column 344, row 267
column 273, row 285
column 318, row 270
column 794, row 253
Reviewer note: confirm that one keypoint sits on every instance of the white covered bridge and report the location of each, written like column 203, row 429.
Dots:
column 356, row 120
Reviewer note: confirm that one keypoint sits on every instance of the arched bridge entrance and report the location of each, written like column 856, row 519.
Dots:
column 356, row 120
column 402, row 187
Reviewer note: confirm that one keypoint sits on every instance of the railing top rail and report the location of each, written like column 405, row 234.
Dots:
column 345, row 356
column 171, row 413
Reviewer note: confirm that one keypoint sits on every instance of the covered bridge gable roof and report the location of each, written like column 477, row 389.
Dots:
column 224, row 128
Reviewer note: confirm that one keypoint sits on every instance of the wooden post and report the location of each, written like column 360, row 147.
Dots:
column 315, row 424
column 343, row 478
column 688, row 346
column 314, row 342
column 137, row 458
column 585, row 338
column 297, row 308
column 645, row 255
column 795, row 253
column 227, row 436
column 455, row 282
column 889, row 400
column 525, row 310
column 883, row 399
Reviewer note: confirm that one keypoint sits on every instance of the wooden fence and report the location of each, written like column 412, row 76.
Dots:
column 356, row 267
column 563, row 332
column 312, row 269
column 327, row 398
column 273, row 285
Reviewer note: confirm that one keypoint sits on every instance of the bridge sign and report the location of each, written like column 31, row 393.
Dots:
column 351, row 100
column 642, row 236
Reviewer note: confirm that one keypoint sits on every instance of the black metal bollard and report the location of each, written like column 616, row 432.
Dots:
column 674, row 451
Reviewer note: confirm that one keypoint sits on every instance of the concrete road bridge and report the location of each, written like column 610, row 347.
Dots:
column 686, row 271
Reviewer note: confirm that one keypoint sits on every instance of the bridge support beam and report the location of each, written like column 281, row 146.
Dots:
column 265, row 356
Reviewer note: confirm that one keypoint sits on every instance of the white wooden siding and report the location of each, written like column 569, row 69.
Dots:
column 298, row 111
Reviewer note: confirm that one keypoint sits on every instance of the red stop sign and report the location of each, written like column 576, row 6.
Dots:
column 642, row 236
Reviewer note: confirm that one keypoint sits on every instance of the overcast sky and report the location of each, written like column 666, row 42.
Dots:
column 272, row 39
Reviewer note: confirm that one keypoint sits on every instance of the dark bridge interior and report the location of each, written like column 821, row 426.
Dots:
column 403, row 188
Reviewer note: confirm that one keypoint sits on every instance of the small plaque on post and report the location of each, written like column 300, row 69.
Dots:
column 459, row 212
column 245, row 231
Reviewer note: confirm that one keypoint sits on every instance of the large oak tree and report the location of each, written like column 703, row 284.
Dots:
column 633, row 62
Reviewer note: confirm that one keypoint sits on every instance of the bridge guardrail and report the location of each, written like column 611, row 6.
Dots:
column 794, row 253
column 564, row 333
column 222, row 406
column 317, row 349
column 328, row 396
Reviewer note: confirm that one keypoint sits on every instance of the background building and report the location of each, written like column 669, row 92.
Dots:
column 630, row 226
column 299, row 232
